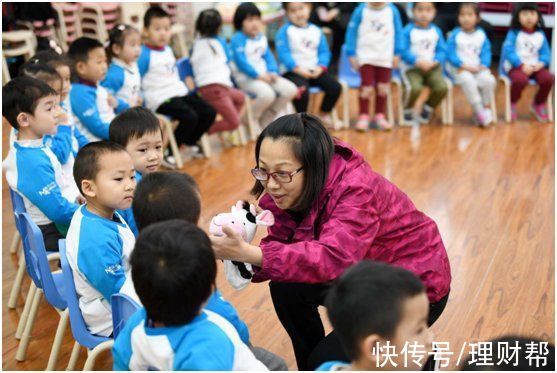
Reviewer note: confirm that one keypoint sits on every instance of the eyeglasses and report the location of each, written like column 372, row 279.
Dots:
column 280, row 176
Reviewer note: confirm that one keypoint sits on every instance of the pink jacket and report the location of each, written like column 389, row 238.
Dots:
column 358, row 215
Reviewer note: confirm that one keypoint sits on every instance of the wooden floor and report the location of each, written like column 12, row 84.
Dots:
column 490, row 191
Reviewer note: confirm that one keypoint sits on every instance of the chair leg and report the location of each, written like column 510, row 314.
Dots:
column 345, row 105
column 494, row 108
column 507, row 90
column 26, row 308
column 206, row 145
column 337, row 124
column 92, row 354
column 24, row 342
column 16, row 287
column 173, row 144
column 390, row 114
column 15, row 242
column 550, row 105
column 60, row 331
column 400, row 100
column 251, row 120
column 450, row 109
column 242, row 135
column 74, row 356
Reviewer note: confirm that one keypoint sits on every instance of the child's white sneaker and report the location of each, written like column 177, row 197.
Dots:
column 363, row 123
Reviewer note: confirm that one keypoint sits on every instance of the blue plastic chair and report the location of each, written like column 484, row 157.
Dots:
column 504, row 77
column 95, row 344
column 43, row 281
column 122, row 308
column 18, row 206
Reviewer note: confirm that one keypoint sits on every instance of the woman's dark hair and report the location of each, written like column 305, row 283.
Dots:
column 312, row 146
column 519, row 7
column 475, row 7
column 117, row 36
column 208, row 23
column 244, row 11
column 173, row 269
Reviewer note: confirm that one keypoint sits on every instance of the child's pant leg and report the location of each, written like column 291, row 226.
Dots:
column 367, row 74
column 487, row 84
column 519, row 80
column 545, row 80
column 414, row 81
column 332, row 88
column 469, row 84
column 225, row 101
column 382, row 85
column 301, row 102
column 264, row 96
column 285, row 92
column 436, row 83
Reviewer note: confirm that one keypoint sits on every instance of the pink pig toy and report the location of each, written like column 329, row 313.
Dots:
column 243, row 219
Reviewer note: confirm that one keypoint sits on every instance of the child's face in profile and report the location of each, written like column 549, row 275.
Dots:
column 528, row 19
column 94, row 69
column 113, row 187
column 44, row 120
column 251, row 26
column 64, row 72
column 158, row 32
column 424, row 13
column 146, row 152
column 129, row 52
column 298, row 13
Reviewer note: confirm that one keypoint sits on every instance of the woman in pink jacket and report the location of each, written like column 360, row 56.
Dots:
column 331, row 211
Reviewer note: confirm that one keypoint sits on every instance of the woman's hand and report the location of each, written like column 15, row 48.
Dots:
column 231, row 246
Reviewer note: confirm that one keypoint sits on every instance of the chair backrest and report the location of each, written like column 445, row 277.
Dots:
column 18, row 207
column 79, row 329
column 345, row 71
column 184, row 68
column 36, row 261
column 122, row 308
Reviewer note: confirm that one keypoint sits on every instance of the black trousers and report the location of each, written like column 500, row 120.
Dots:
column 51, row 235
column 296, row 307
column 325, row 81
column 194, row 114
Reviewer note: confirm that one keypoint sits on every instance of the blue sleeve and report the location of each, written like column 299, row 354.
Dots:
column 226, row 48
column 209, row 349
column 114, row 79
column 440, row 48
column 323, row 52
column 122, row 105
column 61, row 143
column 81, row 140
column 238, row 44
column 143, row 60
column 451, row 46
column 545, row 52
column 399, row 37
column 218, row 305
column 351, row 37
column 37, row 182
column 509, row 49
column 270, row 61
column 407, row 55
column 100, row 259
column 485, row 54
column 128, row 217
column 84, row 106
column 283, row 49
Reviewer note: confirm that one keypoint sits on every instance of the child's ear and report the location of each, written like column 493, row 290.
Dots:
column 80, row 67
column 23, row 120
column 89, row 188
column 116, row 49
column 368, row 350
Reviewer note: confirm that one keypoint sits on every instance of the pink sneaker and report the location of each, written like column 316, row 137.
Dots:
column 381, row 122
column 540, row 112
column 514, row 113
column 363, row 123
column 481, row 118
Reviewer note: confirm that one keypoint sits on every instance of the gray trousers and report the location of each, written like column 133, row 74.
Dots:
column 271, row 361
column 477, row 87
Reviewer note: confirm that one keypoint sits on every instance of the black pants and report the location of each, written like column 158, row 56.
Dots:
column 51, row 235
column 296, row 307
column 194, row 114
column 325, row 81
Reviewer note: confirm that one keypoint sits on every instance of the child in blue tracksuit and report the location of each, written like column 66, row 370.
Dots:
column 173, row 268
column 374, row 44
column 255, row 68
column 528, row 56
column 470, row 60
column 423, row 59
column 122, row 79
column 302, row 49
column 32, row 168
column 90, row 101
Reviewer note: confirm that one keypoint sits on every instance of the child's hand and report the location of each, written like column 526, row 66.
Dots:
column 317, row 71
column 396, row 61
column 62, row 117
column 112, row 101
column 80, row 199
column 472, row 69
column 538, row 66
column 265, row 77
column 273, row 77
column 138, row 101
column 425, row 66
column 354, row 63
column 304, row 73
column 527, row 69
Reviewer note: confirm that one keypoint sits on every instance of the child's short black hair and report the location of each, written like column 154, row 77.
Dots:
column 34, row 68
column 418, row 2
column 161, row 196
column 368, row 299
column 519, row 7
column 133, row 123
column 475, row 7
column 117, row 36
column 21, row 95
column 523, row 359
column 51, row 58
column 154, row 12
column 86, row 165
column 79, row 50
column 173, row 269
column 208, row 23
column 244, row 11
